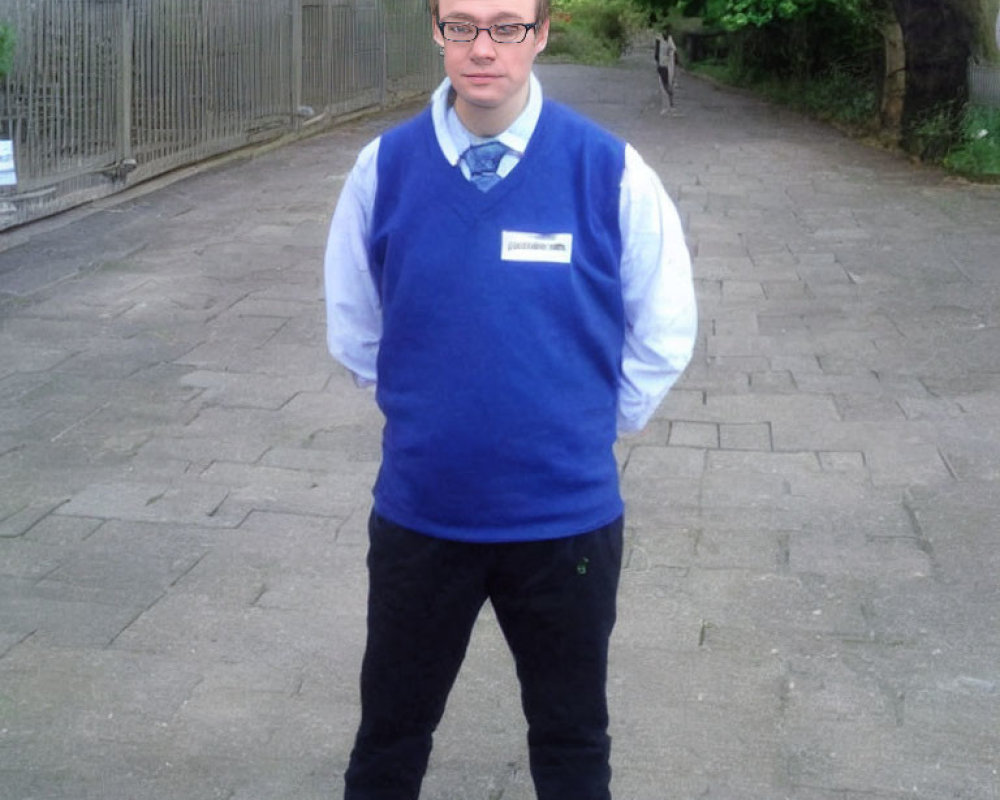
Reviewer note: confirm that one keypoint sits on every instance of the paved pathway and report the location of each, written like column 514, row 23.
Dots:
column 810, row 604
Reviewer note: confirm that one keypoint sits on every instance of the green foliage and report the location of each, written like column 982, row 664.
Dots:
column 977, row 151
column 741, row 14
column 965, row 139
column 7, row 43
column 934, row 132
column 684, row 8
column 735, row 15
column 829, row 39
column 846, row 97
column 709, row 9
column 817, row 56
column 592, row 31
column 837, row 94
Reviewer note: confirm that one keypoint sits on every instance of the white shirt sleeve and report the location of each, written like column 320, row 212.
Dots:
column 660, row 312
column 353, row 309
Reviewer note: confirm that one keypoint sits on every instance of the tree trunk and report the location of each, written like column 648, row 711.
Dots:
column 985, row 17
column 893, row 80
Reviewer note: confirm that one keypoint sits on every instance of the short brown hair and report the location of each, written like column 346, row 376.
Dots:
column 541, row 12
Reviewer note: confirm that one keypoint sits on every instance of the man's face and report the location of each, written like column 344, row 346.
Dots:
column 490, row 79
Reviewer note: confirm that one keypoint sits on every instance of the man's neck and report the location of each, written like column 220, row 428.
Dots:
column 489, row 122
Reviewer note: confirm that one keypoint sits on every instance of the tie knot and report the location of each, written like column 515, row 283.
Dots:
column 483, row 160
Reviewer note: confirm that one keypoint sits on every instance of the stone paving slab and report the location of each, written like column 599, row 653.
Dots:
column 809, row 607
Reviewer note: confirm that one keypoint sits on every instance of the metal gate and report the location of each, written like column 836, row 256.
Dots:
column 104, row 93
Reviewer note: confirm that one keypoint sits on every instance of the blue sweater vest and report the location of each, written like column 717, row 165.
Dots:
column 498, row 375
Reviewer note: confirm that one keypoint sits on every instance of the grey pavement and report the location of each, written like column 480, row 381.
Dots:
column 810, row 605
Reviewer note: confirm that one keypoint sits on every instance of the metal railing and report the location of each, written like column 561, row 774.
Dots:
column 105, row 93
column 984, row 84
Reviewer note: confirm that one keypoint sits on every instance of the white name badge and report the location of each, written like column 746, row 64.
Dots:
column 552, row 248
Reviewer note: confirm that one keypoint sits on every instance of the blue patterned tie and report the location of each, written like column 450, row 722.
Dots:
column 483, row 160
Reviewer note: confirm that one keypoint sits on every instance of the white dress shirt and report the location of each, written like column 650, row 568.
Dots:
column 658, row 295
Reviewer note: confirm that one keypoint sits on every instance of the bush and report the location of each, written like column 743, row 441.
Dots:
column 843, row 95
column 573, row 43
column 932, row 134
column 977, row 151
column 839, row 94
column 592, row 31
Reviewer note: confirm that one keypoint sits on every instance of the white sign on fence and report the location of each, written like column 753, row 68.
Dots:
column 8, row 172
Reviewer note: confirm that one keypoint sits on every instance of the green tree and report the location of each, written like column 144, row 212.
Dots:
column 740, row 14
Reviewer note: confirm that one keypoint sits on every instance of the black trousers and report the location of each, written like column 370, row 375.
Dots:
column 555, row 602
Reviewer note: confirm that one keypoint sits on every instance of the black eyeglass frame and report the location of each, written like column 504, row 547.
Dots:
column 527, row 26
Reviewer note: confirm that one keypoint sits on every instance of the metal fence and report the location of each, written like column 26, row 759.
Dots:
column 984, row 84
column 104, row 93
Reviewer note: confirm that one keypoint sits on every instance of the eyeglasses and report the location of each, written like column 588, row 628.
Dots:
column 504, row 33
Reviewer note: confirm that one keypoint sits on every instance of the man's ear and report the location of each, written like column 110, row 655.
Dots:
column 541, row 36
column 436, row 32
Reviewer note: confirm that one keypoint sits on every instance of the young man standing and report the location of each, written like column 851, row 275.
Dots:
column 515, row 282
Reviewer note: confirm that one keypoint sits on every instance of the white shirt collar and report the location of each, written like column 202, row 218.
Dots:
column 454, row 138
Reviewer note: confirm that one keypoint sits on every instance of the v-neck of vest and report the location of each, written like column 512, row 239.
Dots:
column 466, row 198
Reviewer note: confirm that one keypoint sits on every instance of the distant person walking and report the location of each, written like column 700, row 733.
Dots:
column 665, row 55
